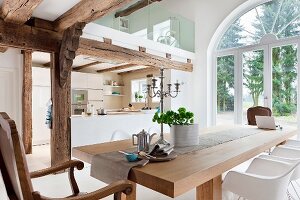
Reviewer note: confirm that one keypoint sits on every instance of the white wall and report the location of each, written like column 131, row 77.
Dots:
column 185, row 96
column 11, row 63
column 41, row 93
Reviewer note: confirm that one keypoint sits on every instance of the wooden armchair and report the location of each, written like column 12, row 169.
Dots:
column 257, row 110
column 17, row 178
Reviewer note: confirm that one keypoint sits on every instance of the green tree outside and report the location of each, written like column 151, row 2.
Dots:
column 284, row 58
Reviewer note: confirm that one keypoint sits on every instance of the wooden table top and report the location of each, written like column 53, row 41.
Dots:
column 191, row 170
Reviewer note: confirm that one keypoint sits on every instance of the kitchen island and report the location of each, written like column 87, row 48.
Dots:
column 104, row 128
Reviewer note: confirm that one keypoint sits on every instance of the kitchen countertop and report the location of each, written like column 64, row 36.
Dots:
column 125, row 113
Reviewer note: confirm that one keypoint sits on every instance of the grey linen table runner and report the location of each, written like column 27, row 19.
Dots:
column 219, row 137
column 113, row 166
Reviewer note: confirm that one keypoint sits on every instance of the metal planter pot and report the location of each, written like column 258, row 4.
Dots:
column 185, row 135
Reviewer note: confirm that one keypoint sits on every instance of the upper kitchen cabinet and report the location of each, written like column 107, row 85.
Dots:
column 79, row 80
column 95, row 81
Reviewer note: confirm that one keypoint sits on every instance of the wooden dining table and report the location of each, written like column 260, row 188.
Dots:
column 201, row 169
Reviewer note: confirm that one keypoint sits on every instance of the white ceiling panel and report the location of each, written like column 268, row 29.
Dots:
column 80, row 60
column 130, row 69
column 52, row 9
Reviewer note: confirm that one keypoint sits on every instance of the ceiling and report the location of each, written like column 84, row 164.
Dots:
column 52, row 9
column 41, row 59
column 49, row 10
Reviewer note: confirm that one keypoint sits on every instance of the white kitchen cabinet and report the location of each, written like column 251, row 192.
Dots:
column 94, row 81
column 79, row 80
column 95, row 94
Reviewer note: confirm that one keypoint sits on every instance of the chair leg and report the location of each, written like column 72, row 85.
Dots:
column 118, row 196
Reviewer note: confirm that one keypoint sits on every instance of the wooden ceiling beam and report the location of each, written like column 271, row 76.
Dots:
column 87, row 11
column 143, row 70
column 28, row 38
column 123, row 55
column 40, row 23
column 18, row 11
column 69, row 46
column 3, row 49
column 86, row 65
column 137, row 6
column 116, row 68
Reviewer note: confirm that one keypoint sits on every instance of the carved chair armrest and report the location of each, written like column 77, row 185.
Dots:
column 71, row 164
column 116, row 188
column 51, row 170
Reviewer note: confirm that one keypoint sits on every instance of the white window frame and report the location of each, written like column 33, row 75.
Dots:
column 238, row 73
column 140, row 89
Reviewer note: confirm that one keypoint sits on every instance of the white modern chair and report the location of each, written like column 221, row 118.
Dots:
column 293, row 143
column 263, row 180
column 289, row 155
column 119, row 135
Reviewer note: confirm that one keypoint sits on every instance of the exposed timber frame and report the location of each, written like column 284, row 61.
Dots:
column 86, row 66
column 143, row 70
column 123, row 55
column 27, row 101
column 28, row 37
column 69, row 46
column 116, row 68
column 61, row 112
column 135, row 7
column 18, row 11
column 87, row 11
column 3, row 49
column 61, row 38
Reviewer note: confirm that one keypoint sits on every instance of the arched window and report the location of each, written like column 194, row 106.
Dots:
column 257, row 63
column 278, row 17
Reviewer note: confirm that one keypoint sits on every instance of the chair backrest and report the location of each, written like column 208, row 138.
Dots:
column 13, row 163
column 119, row 135
column 257, row 110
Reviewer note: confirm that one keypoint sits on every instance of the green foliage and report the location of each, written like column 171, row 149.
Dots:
column 253, row 73
column 225, row 82
column 284, row 58
column 181, row 117
column 136, row 95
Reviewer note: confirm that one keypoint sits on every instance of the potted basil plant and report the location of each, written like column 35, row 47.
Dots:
column 183, row 130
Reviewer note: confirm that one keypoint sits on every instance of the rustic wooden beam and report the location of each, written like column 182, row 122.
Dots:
column 123, row 55
column 69, row 46
column 116, row 68
column 40, row 23
column 107, row 40
column 3, row 49
column 87, row 11
column 142, row 49
column 18, row 11
column 61, row 112
column 86, row 65
column 168, row 56
column 143, row 70
column 27, row 101
column 131, row 9
column 28, row 38
column 47, row 64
